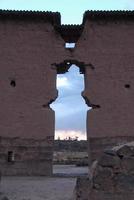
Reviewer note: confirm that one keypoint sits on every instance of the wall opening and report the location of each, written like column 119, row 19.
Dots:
column 69, row 45
column 70, row 121
column 13, row 83
column 10, row 156
column 127, row 86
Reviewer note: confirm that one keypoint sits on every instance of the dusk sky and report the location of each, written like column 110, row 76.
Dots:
column 69, row 106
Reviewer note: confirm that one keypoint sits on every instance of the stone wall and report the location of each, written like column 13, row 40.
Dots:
column 111, row 177
column 29, row 45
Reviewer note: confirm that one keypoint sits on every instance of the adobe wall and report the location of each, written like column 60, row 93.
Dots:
column 32, row 52
column 28, row 48
column 107, row 44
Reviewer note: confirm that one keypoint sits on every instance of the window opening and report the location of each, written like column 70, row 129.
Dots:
column 10, row 156
column 70, row 124
column 69, row 45
column 13, row 83
column 127, row 86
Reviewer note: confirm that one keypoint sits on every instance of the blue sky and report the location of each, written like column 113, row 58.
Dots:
column 71, row 10
column 69, row 106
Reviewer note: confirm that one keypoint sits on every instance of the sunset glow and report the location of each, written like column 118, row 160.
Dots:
column 70, row 133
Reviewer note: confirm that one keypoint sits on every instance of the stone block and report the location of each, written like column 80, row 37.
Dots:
column 124, row 151
column 123, row 183
column 82, row 189
column 127, row 164
column 109, row 161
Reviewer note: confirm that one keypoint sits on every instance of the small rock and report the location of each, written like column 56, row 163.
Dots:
column 124, row 151
column 103, row 177
column 109, row 161
column 123, row 183
column 127, row 165
column 110, row 152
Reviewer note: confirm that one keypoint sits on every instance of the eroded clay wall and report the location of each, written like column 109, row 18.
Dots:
column 28, row 49
column 31, row 50
column 107, row 45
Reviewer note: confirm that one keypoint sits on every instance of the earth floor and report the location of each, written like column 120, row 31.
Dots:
column 59, row 187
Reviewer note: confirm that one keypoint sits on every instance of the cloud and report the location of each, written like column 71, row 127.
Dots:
column 71, row 133
column 75, row 103
column 70, row 108
column 62, row 82
column 75, row 121
column 72, row 82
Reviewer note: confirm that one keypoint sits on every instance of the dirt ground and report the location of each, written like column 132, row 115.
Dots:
column 43, row 188
column 38, row 188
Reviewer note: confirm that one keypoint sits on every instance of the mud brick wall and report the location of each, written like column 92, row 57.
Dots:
column 32, row 52
column 31, row 156
column 29, row 45
column 107, row 46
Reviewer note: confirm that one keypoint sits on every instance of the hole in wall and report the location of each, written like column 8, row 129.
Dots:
column 69, row 45
column 13, row 83
column 70, row 127
column 95, row 106
column 10, row 156
column 127, row 86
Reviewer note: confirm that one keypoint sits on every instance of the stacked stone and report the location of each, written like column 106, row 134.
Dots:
column 112, row 176
column 114, row 171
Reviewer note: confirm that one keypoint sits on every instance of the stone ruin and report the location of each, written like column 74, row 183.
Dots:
column 111, row 177
column 32, row 53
